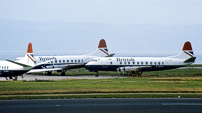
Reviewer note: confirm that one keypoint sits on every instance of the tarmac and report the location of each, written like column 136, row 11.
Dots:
column 54, row 77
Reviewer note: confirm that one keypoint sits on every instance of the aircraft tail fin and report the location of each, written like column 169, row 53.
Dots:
column 28, row 60
column 186, row 53
column 101, row 50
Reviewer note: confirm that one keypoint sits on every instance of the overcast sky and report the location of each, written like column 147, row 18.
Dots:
column 105, row 11
column 138, row 26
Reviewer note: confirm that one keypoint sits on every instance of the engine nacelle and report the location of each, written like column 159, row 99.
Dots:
column 55, row 66
column 125, row 68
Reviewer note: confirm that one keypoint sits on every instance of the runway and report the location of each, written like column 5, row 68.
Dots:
column 130, row 105
column 47, row 77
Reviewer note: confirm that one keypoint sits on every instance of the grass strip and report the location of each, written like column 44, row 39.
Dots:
column 85, row 91
column 106, row 95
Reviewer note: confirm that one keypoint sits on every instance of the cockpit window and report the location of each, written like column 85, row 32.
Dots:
column 94, row 60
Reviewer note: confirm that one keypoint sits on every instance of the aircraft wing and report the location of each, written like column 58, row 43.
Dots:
column 43, row 70
column 24, row 65
column 56, row 68
column 70, row 66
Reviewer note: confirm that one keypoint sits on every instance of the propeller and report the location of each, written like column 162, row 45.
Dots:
column 118, row 70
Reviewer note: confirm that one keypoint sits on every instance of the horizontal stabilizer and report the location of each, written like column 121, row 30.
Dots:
column 24, row 65
column 111, row 55
column 192, row 59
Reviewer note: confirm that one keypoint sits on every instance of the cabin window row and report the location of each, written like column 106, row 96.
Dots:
column 141, row 63
column 68, row 61
column 3, row 67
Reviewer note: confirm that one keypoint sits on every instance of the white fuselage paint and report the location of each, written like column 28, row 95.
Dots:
column 116, row 62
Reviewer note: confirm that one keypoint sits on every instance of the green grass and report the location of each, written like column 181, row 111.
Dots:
column 194, row 65
column 105, row 85
column 175, row 73
column 164, row 73
column 169, row 83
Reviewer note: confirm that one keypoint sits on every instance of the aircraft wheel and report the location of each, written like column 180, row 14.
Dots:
column 97, row 75
column 49, row 73
column 16, row 77
column 63, row 74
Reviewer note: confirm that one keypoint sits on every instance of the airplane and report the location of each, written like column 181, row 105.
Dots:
column 137, row 65
column 63, row 63
column 12, row 69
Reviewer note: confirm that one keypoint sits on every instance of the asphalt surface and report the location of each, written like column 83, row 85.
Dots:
column 47, row 77
column 155, row 105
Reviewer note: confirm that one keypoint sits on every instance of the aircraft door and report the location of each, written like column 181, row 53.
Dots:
column 104, row 63
column 167, row 64
column 11, row 69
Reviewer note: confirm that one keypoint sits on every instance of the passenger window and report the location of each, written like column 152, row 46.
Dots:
column 78, row 60
column 82, row 61
column 59, row 61
column 111, row 63
column 55, row 61
column 133, row 62
column 120, row 62
column 159, row 63
column 72, row 61
column 129, row 63
column 146, row 63
column 150, row 63
column 155, row 63
column 162, row 63
column 75, row 60
column 51, row 62
column 142, row 63
column 63, row 61
column 7, row 67
column 67, row 61
column 125, row 63
column 138, row 63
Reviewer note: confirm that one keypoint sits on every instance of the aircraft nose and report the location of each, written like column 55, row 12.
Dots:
column 87, row 67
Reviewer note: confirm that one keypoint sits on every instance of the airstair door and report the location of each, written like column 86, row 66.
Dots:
column 167, row 63
column 104, row 63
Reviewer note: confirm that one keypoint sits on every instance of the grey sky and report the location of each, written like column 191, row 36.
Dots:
column 105, row 11
column 140, row 27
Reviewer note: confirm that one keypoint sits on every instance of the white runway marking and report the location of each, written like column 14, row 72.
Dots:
column 182, row 104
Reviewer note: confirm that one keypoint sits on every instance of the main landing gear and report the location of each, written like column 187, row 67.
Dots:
column 63, row 74
column 97, row 75
column 49, row 73
column 14, row 79
column 135, row 73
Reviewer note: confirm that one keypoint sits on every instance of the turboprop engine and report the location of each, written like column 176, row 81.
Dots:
column 125, row 69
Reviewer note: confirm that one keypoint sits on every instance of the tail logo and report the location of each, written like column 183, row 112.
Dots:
column 103, row 46
column 189, row 53
column 30, row 57
column 30, row 52
column 104, row 51
column 188, row 49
